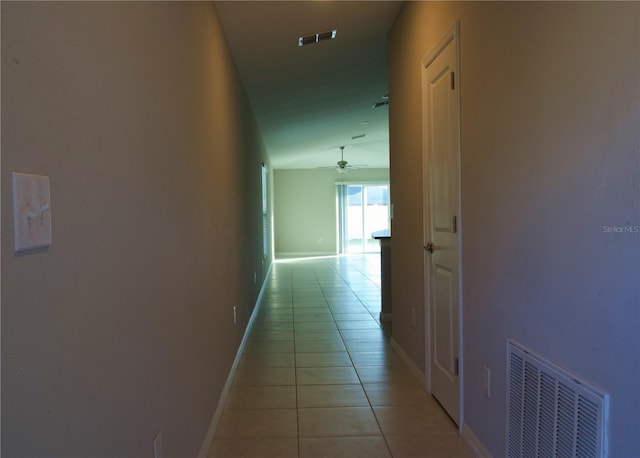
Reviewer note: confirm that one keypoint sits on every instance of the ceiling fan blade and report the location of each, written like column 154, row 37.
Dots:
column 342, row 166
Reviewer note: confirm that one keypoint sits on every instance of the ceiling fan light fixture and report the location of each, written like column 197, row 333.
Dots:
column 342, row 164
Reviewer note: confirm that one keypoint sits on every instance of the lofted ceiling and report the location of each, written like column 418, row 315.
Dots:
column 310, row 100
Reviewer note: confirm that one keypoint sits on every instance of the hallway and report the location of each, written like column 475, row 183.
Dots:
column 318, row 377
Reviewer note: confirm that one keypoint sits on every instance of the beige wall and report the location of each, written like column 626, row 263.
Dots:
column 123, row 327
column 550, row 97
column 305, row 209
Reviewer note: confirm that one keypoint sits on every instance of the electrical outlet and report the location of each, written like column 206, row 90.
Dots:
column 235, row 315
column 157, row 445
column 486, row 381
column 413, row 318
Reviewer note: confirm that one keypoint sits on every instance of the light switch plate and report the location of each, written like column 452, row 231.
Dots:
column 31, row 212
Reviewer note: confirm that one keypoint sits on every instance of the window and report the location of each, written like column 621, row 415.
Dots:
column 265, row 214
column 362, row 210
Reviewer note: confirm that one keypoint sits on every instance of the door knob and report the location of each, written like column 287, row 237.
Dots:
column 429, row 247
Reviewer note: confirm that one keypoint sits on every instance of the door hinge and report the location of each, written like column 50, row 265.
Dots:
column 453, row 81
column 456, row 368
column 455, row 224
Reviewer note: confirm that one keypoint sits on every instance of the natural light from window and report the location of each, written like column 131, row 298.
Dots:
column 364, row 210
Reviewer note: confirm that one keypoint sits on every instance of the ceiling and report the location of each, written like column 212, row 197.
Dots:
column 310, row 100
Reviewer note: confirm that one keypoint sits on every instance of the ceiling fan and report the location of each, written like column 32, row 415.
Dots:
column 343, row 166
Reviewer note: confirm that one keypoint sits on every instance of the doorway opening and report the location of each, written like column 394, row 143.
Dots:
column 363, row 211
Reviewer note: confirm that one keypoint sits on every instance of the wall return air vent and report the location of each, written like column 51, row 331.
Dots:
column 550, row 412
column 317, row 38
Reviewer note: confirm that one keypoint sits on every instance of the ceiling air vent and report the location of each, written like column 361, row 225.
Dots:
column 385, row 101
column 317, row 38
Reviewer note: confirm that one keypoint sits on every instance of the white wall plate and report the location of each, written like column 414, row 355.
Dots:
column 31, row 211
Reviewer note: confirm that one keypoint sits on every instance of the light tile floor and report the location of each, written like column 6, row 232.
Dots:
column 318, row 378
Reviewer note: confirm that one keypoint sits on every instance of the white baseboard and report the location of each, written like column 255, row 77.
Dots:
column 474, row 443
column 303, row 254
column 467, row 434
column 413, row 368
column 208, row 439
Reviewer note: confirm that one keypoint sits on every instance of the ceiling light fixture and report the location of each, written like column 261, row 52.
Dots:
column 342, row 164
column 317, row 38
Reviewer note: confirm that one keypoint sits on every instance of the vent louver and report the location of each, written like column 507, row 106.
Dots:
column 317, row 37
column 550, row 412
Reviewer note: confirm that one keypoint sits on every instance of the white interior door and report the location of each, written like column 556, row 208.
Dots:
column 442, row 216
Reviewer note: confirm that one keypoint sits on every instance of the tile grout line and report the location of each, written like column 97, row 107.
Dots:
column 295, row 364
column 384, row 437
column 353, row 365
column 309, row 283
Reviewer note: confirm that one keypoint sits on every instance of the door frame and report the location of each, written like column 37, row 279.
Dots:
column 452, row 35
